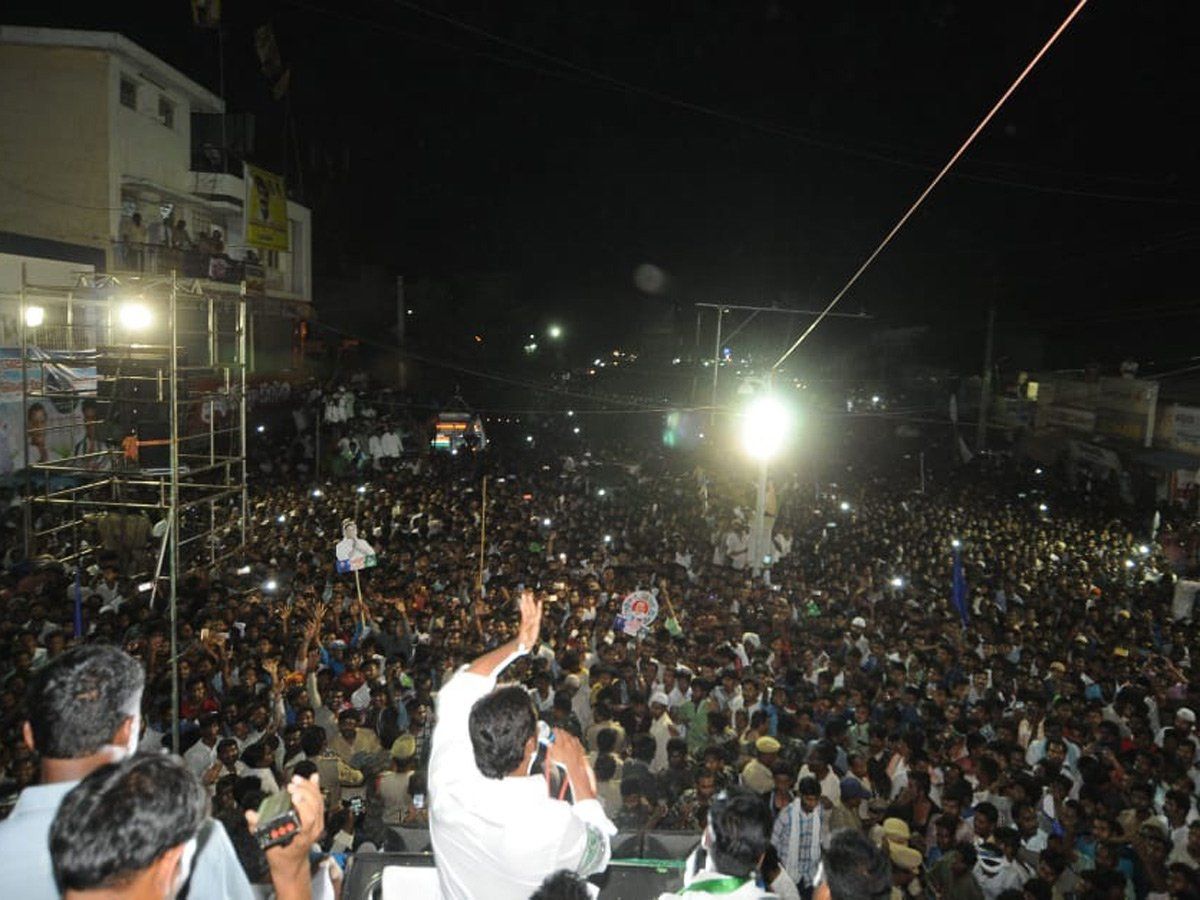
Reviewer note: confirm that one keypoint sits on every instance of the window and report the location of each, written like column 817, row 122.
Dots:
column 129, row 91
column 166, row 111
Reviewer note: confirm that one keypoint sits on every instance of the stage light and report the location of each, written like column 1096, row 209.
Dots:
column 134, row 316
column 34, row 316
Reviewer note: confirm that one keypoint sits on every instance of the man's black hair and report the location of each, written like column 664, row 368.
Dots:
column 312, row 740
column 121, row 818
column 77, row 701
column 500, row 725
column 562, row 885
column 808, row 787
column 606, row 740
column 741, row 831
column 856, row 869
column 643, row 748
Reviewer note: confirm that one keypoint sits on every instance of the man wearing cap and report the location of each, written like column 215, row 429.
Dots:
column 1185, row 724
column 845, row 814
column 757, row 775
column 906, row 872
column 392, row 785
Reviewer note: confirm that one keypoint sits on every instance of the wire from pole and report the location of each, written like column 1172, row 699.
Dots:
column 936, row 180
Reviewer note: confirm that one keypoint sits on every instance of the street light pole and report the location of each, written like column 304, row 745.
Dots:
column 758, row 540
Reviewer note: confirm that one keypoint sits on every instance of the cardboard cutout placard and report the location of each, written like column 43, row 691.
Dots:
column 352, row 552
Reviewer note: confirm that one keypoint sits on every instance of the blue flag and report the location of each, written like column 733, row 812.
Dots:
column 958, row 595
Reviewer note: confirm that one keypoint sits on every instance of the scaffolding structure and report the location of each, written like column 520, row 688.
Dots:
column 161, row 449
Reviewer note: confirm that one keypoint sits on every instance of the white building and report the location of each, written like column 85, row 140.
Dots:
column 93, row 130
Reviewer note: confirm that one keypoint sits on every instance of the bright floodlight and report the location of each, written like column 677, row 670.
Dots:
column 601, row 492
column 34, row 316
column 134, row 316
column 575, row 430
column 261, row 428
column 608, row 539
column 554, row 332
column 765, row 426
column 1042, row 507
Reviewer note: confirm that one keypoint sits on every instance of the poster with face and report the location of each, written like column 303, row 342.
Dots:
column 57, row 420
column 352, row 552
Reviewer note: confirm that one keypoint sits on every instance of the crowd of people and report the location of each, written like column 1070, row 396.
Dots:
column 1036, row 742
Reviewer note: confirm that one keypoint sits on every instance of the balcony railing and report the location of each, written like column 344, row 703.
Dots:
column 157, row 259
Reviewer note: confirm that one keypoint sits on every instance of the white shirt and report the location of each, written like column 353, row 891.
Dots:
column 500, row 837
column 200, row 757
column 660, row 730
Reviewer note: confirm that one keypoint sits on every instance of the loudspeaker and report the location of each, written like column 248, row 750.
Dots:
column 131, row 387
column 364, row 876
column 627, row 881
column 669, row 844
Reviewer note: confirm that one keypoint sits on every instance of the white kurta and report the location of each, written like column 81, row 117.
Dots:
column 500, row 838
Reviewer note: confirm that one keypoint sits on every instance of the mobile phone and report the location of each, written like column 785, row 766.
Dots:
column 418, row 801
column 278, row 821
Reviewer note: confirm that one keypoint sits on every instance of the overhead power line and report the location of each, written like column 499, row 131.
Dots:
column 935, row 182
column 576, row 71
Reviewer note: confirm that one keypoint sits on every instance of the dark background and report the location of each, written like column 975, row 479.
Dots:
column 754, row 151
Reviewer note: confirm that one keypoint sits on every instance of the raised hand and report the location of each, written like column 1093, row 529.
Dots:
column 531, row 619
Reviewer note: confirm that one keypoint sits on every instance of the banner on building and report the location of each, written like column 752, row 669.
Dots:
column 1071, row 418
column 54, row 427
column 266, row 209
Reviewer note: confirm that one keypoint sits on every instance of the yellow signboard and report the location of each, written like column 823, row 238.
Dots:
column 266, row 209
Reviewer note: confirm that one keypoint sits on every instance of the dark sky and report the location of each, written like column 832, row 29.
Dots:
column 785, row 140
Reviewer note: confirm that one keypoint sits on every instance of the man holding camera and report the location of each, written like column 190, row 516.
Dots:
column 496, row 830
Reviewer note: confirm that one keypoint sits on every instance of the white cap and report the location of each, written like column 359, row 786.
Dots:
column 660, row 697
column 858, row 622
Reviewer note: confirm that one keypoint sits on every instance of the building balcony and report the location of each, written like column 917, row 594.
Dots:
column 149, row 259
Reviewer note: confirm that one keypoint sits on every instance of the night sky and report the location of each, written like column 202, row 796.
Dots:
column 754, row 151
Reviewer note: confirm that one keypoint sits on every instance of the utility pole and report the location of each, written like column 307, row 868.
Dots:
column 985, row 386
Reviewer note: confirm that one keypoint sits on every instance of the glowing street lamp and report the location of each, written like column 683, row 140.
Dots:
column 764, row 430
column 554, row 332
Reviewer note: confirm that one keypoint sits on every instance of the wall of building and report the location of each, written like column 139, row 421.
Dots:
column 54, row 146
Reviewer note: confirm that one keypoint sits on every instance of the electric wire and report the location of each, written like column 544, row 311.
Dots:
column 934, row 183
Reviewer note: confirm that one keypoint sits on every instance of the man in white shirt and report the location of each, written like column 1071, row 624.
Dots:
column 662, row 729
column 733, row 845
column 496, row 832
column 84, row 715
